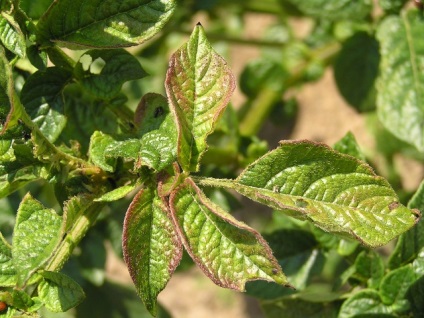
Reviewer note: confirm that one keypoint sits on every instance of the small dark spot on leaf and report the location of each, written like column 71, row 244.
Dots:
column 158, row 112
column 393, row 205
column 275, row 271
column 417, row 213
column 300, row 203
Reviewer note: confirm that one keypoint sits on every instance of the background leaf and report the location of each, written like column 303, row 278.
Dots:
column 43, row 100
column 335, row 9
column 356, row 70
column 401, row 83
column 102, row 72
column 199, row 85
column 7, row 271
column 59, row 292
column 229, row 252
column 151, row 247
column 105, row 24
column 349, row 146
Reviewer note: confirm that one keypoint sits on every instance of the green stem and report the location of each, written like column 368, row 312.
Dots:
column 259, row 111
column 74, row 236
column 264, row 102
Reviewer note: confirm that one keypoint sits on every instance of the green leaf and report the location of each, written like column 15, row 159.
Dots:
column 34, row 9
column 410, row 243
column 103, row 24
column 7, row 271
column 59, row 292
column 151, row 246
column 335, row 9
column 366, row 301
column 400, row 86
column 199, row 85
column 228, row 251
column 392, row 6
column 36, row 57
column 10, row 107
column 37, row 233
column 11, row 35
column 116, row 194
column 356, row 70
column 98, row 144
column 369, row 269
column 338, row 193
column 260, row 74
column 395, row 285
column 295, row 308
column 349, row 146
column 102, row 72
column 300, row 259
column 43, row 100
column 156, row 147
column 21, row 299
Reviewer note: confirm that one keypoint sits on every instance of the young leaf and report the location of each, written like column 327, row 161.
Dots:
column 335, row 9
column 7, row 271
column 338, row 193
column 103, row 24
column 199, row 85
column 11, row 35
column 228, row 251
column 42, row 97
column 156, row 147
column 400, row 86
column 116, row 194
column 102, row 72
column 59, row 292
column 98, row 144
column 356, row 70
column 151, row 247
column 37, row 233
column 349, row 146
column 369, row 268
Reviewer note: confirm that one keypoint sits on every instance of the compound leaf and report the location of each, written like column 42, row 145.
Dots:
column 151, row 246
column 103, row 24
column 400, row 86
column 199, row 85
column 59, row 292
column 102, row 72
column 228, row 251
column 42, row 97
column 37, row 232
column 337, row 192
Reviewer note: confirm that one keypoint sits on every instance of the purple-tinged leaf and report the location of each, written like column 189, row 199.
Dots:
column 199, row 85
column 228, row 251
column 151, row 247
